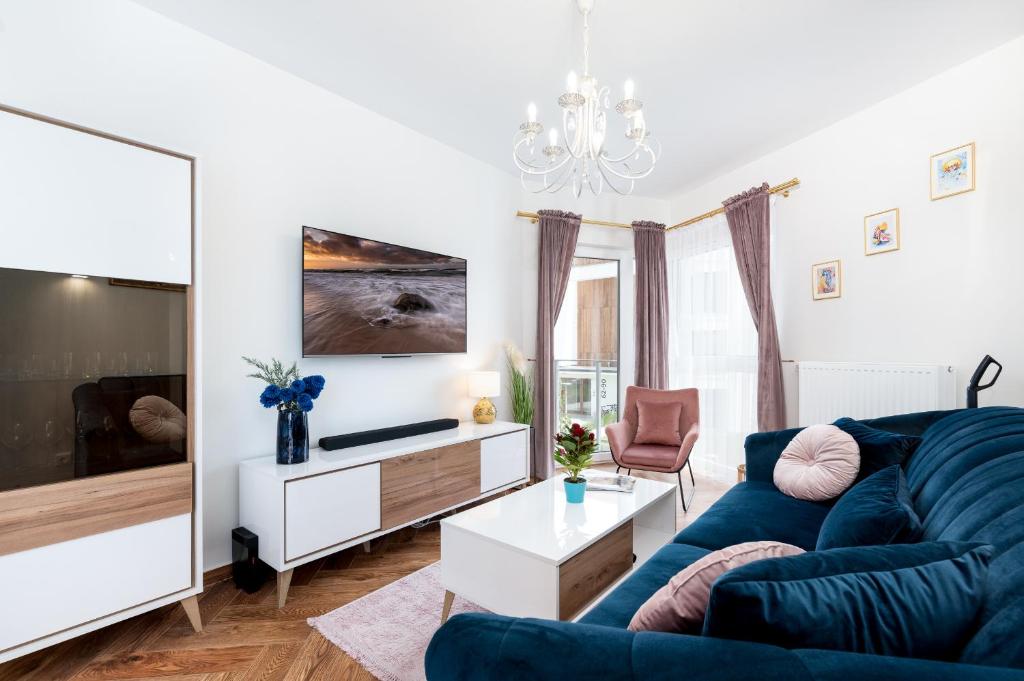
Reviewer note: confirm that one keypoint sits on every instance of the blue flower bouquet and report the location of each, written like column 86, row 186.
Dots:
column 293, row 396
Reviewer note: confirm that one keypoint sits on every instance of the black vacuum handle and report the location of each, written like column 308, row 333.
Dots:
column 980, row 371
column 973, row 388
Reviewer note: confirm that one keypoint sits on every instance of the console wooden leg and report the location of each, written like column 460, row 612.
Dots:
column 366, row 547
column 191, row 607
column 284, row 580
column 449, row 597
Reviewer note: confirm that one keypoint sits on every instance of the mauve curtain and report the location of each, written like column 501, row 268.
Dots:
column 651, row 305
column 558, row 232
column 749, row 220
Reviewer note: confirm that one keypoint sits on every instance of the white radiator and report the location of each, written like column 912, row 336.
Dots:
column 830, row 390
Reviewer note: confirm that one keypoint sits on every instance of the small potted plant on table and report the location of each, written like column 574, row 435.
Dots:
column 574, row 449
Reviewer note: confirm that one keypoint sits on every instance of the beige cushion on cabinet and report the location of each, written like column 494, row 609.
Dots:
column 157, row 420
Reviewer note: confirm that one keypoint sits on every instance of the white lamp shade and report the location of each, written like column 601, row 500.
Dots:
column 484, row 384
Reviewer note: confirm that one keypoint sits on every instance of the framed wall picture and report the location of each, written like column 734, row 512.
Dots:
column 952, row 172
column 882, row 232
column 826, row 280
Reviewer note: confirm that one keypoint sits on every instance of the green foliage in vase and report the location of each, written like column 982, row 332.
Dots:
column 273, row 372
column 520, row 389
column 574, row 449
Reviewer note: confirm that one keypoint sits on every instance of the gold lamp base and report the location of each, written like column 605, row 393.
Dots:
column 484, row 411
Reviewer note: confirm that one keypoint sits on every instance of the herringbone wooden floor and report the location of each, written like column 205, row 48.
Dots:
column 246, row 637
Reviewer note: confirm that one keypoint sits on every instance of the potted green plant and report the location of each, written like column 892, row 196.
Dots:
column 520, row 385
column 574, row 449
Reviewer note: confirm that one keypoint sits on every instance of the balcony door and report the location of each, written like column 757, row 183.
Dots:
column 587, row 352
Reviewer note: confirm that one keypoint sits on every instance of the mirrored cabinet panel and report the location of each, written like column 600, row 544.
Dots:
column 92, row 376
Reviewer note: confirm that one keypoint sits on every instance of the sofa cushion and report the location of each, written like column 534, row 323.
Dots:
column 756, row 511
column 910, row 600
column 877, row 510
column 679, row 606
column 878, row 448
column 658, row 423
column 618, row 607
column 819, row 463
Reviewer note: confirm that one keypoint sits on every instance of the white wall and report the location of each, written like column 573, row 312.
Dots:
column 277, row 152
column 951, row 294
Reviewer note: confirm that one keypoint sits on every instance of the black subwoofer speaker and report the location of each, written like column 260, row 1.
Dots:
column 246, row 567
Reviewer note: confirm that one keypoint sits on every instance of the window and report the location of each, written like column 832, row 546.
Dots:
column 587, row 346
column 712, row 342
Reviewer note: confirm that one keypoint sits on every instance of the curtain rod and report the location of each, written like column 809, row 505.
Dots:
column 777, row 189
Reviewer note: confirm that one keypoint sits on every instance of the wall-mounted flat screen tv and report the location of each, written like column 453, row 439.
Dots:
column 366, row 297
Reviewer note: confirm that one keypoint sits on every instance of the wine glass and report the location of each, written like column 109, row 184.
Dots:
column 15, row 436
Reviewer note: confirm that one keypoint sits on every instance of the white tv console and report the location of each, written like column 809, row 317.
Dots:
column 340, row 498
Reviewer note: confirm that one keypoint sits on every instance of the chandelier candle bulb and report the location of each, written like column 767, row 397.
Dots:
column 531, row 113
column 571, row 83
column 553, row 137
column 627, row 89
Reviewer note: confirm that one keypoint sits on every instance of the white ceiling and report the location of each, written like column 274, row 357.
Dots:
column 723, row 81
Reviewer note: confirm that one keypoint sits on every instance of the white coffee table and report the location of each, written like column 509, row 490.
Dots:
column 531, row 554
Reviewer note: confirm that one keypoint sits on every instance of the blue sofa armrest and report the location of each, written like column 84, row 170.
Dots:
column 481, row 647
column 763, row 450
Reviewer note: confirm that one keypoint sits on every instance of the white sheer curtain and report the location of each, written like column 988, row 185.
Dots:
column 712, row 342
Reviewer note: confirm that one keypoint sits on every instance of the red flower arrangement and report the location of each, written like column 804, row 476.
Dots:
column 574, row 449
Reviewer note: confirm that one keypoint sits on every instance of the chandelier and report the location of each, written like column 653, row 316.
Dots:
column 585, row 160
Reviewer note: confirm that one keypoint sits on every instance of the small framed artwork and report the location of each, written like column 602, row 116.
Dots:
column 826, row 280
column 882, row 232
column 952, row 172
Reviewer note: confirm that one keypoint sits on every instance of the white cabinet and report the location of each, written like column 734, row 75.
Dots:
column 59, row 586
column 329, row 509
column 503, row 459
column 81, row 203
column 335, row 500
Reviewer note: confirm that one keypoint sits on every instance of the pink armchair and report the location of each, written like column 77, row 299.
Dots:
column 659, row 458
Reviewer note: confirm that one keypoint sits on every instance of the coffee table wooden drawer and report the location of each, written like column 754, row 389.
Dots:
column 594, row 569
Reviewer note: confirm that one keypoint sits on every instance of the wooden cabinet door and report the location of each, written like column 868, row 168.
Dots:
column 419, row 484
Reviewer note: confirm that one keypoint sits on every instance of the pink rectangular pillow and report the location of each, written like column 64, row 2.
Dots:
column 658, row 423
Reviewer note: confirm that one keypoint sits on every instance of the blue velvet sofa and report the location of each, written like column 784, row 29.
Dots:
column 967, row 483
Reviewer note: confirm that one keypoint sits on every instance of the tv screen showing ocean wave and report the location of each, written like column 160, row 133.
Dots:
column 366, row 297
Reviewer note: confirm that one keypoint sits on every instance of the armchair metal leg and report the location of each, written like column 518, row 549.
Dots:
column 617, row 469
column 629, row 471
column 693, row 482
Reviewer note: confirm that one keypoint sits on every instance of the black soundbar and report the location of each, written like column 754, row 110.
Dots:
column 367, row 437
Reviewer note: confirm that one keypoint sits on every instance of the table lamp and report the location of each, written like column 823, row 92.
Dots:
column 484, row 384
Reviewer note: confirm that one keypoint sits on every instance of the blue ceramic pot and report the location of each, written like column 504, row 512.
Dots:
column 574, row 491
column 292, row 437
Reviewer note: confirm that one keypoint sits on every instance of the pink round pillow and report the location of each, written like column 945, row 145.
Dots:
column 820, row 463
column 679, row 606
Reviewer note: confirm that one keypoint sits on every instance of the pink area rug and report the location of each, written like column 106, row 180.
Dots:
column 388, row 631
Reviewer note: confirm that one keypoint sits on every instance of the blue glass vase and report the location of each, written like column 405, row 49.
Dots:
column 292, row 437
